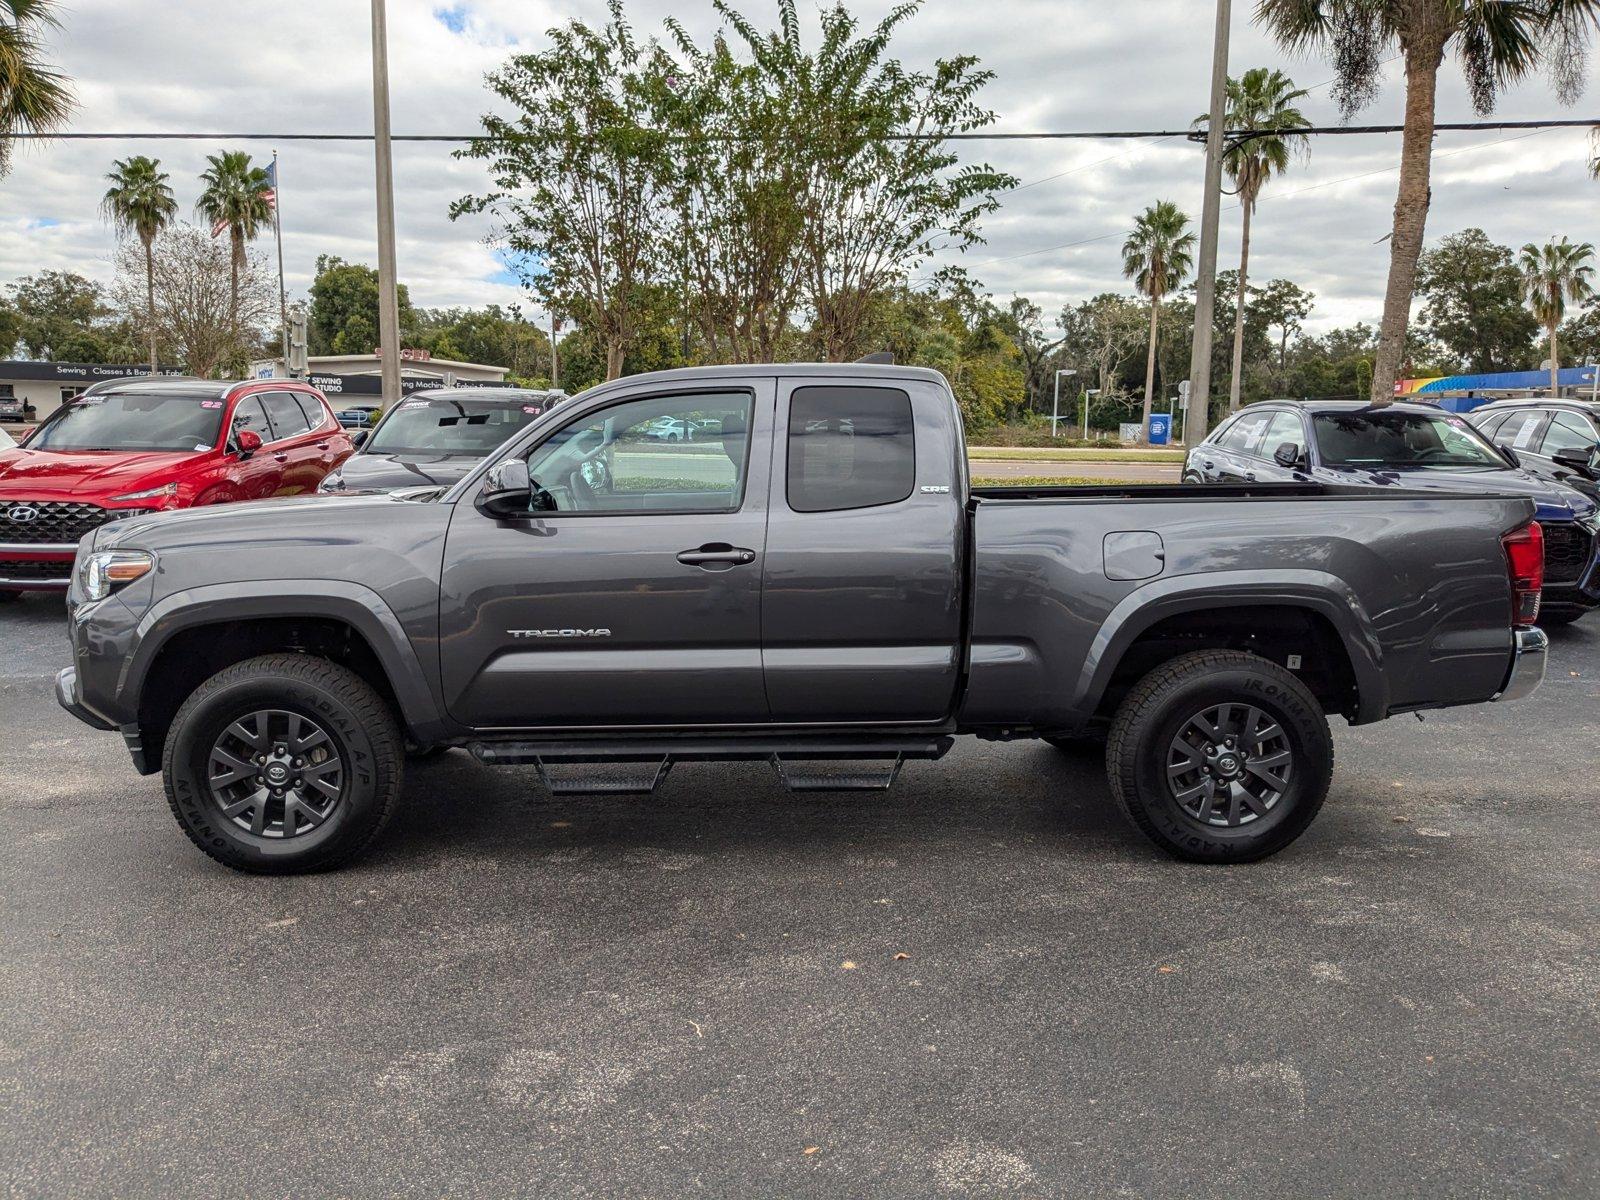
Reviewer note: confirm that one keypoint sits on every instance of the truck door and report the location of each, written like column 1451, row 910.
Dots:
column 633, row 595
column 861, row 600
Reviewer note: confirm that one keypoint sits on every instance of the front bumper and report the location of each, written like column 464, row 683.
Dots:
column 36, row 566
column 1529, row 650
column 67, row 696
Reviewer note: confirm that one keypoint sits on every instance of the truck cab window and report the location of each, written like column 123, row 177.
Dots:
column 849, row 447
column 664, row 454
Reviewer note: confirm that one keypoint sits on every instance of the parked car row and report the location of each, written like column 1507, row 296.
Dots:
column 1418, row 447
column 437, row 436
column 130, row 447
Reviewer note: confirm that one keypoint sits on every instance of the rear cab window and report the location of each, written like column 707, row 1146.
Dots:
column 849, row 447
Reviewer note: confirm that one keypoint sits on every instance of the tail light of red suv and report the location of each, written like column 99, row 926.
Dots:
column 1525, row 564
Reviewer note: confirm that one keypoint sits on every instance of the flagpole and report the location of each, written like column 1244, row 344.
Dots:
column 277, row 232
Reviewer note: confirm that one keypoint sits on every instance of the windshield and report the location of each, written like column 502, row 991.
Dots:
column 1383, row 438
column 449, row 427
column 140, row 421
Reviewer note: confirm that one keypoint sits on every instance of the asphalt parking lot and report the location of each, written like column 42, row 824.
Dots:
column 981, row 983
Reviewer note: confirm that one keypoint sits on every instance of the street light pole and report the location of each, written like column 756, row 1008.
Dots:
column 388, row 290
column 1055, row 411
column 1205, row 285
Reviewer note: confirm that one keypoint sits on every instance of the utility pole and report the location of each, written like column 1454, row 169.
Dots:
column 388, row 290
column 1197, row 420
column 277, row 234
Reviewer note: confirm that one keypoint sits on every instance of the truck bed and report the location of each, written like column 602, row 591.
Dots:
column 1407, row 587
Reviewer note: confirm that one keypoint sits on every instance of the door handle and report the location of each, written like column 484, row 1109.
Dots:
column 1209, row 465
column 1250, row 476
column 281, row 457
column 717, row 552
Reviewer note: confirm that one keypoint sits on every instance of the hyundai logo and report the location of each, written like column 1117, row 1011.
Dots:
column 22, row 514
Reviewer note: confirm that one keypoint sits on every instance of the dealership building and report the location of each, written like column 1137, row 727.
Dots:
column 362, row 374
column 42, row 387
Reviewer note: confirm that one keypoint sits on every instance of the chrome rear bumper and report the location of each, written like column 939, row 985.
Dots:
column 1528, row 652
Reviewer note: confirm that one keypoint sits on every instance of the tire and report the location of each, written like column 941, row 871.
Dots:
column 350, row 779
column 1251, row 819
column 1191, row 477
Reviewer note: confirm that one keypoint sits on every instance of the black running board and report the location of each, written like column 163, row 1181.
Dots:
column 657, row 755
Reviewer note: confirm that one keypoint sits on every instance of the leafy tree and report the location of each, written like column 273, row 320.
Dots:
column 1099, row 337
column 1157, row 255
column 34, row 98
column 1023, row 321
column 1473, row 293
column 140, row 201
column 344, row 308
column 235, row 198
column 579, row 174
column 1284, row 306
column 874, row 205
column 1580, row 334
column 205, row 302
column 494, row 335
column 1498, row 43
column 1552, row 274
column 57, row 311
column 1261, row 102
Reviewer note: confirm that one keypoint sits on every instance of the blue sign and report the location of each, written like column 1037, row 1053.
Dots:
column 1160, row 429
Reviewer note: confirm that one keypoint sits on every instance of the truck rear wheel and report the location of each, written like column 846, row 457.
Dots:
column 283, row 764
column 1220, row 756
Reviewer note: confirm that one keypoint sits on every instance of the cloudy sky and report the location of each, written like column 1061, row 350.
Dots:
column 304, row 66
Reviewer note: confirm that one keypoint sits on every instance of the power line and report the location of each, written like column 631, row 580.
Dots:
column 1039, row 135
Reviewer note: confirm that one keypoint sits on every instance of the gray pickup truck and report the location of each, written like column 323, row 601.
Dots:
column 809, row 582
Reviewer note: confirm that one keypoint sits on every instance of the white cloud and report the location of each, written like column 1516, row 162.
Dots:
column 300, row 65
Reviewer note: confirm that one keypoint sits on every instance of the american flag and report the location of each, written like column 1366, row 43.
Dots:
column 270, row 194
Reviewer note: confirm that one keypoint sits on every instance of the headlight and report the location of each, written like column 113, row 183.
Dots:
column 332, row 483
column 165, row 491
column 106, row 570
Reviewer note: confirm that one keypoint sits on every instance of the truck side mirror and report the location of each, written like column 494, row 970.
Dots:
column 248, row 441
column 1287, row 455
column 507, row 491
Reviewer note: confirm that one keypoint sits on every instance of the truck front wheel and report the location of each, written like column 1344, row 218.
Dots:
column 283, row 764
column 1220, row 756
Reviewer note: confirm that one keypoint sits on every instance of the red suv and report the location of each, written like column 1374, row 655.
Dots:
column 150, row 445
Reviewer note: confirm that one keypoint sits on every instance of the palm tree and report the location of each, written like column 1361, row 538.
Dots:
column 1157, row 255
column 140, row 202
column 33, row 98
column 1263, row 103
column 235, row 199
column 1498, row 42
column 1552, row 274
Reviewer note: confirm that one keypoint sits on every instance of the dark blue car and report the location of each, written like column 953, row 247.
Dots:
column 1405, row 446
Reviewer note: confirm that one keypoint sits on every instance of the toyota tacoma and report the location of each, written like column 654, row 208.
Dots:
column 813, row 583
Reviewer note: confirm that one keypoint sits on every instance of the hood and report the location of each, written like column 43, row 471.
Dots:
column 1555, row 502
column 366, row 471
column 42, row 474
column 287, row 517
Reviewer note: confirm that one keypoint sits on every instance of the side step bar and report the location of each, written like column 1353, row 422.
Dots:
column 655, row 757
